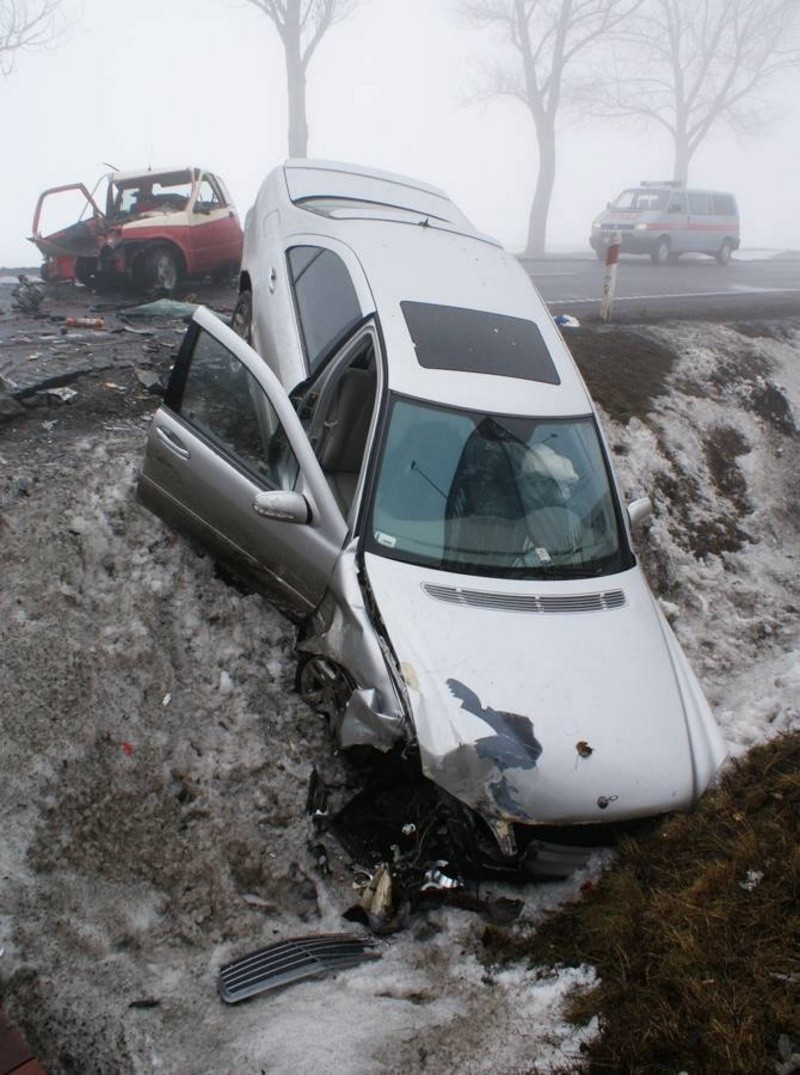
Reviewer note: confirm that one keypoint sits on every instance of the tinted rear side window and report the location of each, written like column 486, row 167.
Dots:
column 724, row 205
column 471, row 341
column 699, row 202
column 327, row 305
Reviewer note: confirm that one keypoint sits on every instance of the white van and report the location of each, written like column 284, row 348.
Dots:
column 665, row 219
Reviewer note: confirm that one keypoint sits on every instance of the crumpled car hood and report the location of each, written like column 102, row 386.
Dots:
column 559, row 702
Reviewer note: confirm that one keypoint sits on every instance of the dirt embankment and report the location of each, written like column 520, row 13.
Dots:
column 156, row 757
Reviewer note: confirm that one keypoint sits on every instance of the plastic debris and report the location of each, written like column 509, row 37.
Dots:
column 752, row 880
column 84, row 322
column 567, row 321
column 150, row 380
column 436, row 879
column 295, row 959
column 162, row 308
column 64, row 394
column 377, row 902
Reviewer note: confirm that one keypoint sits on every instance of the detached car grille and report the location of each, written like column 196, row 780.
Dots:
column 590, row 602
column 292, row 960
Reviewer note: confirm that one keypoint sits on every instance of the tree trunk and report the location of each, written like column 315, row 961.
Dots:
column 296, row 88
column 680, row 171
column 545, row 180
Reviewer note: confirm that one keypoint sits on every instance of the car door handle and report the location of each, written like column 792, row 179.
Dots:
column 174, row 443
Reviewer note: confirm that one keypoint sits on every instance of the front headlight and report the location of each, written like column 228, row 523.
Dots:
column 641, row 227
column 596, row 224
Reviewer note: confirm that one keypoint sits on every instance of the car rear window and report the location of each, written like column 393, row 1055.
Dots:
column 327, row 304
column 472, row 341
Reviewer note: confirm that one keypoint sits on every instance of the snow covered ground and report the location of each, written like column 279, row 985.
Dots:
column 155, row 757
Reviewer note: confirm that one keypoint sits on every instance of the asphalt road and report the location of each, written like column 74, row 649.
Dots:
column 695, row 286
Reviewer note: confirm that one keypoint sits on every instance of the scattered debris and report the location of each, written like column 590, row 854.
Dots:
column 162, row 308
column 64, row 394
column 407, row 850
column 567, row 321
column 294, row 959
column 752, row 880
column 150, row 380
column 27, row 295
column 438, row 881
column 84, row 322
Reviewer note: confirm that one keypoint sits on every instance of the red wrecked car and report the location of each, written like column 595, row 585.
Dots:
column 158, row 227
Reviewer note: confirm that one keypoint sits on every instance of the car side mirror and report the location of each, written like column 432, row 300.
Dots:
column 286, row 507
column 639, row 511
column 201, row 207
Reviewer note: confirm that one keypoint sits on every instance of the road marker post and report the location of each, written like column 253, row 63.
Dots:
column 610, row 280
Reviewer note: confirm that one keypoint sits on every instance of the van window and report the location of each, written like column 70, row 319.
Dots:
column 724, row 205
column 327, row 304
column 677, row 203
column 645, row 200
column 699, row 202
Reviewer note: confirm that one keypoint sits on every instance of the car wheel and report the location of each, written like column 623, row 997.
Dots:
column 242, row 317
column 723, row 255
column 323, row 686
column 162, row 269
column 661, row 252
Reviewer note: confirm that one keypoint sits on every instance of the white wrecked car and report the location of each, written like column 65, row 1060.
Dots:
column 406, row 460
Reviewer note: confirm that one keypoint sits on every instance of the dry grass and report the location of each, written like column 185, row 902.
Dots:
column 695, row 933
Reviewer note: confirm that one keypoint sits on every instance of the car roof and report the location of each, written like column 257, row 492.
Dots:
column 422, row 258
column 153, row 173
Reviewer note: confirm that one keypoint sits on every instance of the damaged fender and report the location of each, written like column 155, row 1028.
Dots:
column 342, row 631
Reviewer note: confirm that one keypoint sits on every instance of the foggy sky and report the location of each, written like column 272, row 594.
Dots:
column 201, row 82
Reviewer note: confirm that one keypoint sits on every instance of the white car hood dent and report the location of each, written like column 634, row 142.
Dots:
column 566, row 717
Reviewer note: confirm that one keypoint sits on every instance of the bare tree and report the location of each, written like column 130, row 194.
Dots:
column 27, row 24
column 689, row 66
column 301, row 25
column 547, row 38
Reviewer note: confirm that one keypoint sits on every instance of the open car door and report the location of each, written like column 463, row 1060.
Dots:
column 78, row 239
column 228, row 463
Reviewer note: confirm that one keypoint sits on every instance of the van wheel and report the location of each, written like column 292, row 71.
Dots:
column 723, row 255
column 661, row 252
column 242, row 317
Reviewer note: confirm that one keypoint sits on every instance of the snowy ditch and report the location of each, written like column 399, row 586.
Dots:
column 156, row 758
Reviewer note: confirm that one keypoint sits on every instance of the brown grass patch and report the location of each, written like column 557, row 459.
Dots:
column 695, row 932
column 625, row 371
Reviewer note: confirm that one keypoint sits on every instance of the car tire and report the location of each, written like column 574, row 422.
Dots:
column 723, row 255
column 323, row 686
column 162, row 269
column 661, row 251
column 242, row 316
